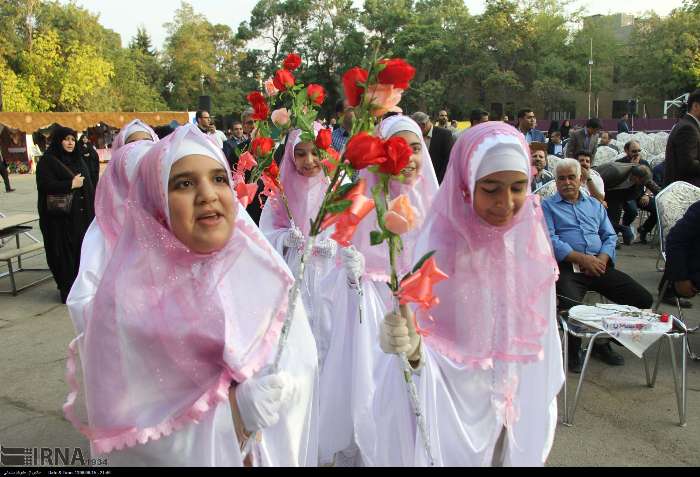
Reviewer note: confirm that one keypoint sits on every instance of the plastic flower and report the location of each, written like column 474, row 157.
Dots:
column 246, row 162
column 246, row 193
column 401, row 217
column 398, row 154
column 270, row 88
column 262, row 146
column 353, row 84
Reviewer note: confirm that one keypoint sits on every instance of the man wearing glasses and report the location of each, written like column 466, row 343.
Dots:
column 206, row 125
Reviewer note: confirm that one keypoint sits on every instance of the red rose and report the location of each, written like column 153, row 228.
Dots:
column 364, row 150
column 255, row 97
column 353, row 91
column 398, row 153
column 324, row 139
column 283, row 80
column 262, row 146
column 316, row 93
column 262, row 111
column 273, row 171
column 291, row 62
column 397, row 73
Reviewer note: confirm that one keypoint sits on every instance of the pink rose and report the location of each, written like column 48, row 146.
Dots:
column 280, row 117
column 400, row 218
column 384, row 98
column 270, row 88
column 246, row 162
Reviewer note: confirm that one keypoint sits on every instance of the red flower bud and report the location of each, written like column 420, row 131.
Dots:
column 353, row 91
column 324, row 139
column 397, row 72
column 291, row 62
column 364, row 150
column 316, row 93
column 273, row 171
column 664, row 318
column 398, row 153
column 283, row 80
column 262, row 146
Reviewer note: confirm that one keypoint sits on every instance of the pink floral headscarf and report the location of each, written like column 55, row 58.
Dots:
column 304, row 194
column 169, row 328
column 128, row 130
column 421, row 195
column 495, row 305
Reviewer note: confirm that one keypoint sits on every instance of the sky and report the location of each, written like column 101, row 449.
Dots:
column 124, row 16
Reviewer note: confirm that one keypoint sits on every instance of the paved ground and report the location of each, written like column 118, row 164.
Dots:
column 619, row 421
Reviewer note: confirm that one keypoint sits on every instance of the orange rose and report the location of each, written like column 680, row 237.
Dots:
column 384, row 98
column 400, row 218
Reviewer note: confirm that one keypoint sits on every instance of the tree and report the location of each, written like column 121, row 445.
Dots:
column 142, row 42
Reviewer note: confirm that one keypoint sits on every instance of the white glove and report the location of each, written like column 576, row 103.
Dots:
column 325, row 248
column 294, row 238
column 397, row 335
column 354, row 263
column 260, row 399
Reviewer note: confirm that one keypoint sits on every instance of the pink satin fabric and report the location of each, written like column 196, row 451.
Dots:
column 169, row 328
column 495, row 304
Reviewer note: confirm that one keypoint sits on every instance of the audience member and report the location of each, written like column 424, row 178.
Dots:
column 585, row 139
column 538, row 154
column 605, row 141
column 683, row 258
column 4, row 174
column 591, row 181
column 438, row 140
column 346, row 116
column 526, row 124
column 478, row 116
column 683, row 147
column 443, row 120
column 565, row 129
column 555, row 146
column 622, row 126
column 584, row 246
column 553, row 127
column 234, row 147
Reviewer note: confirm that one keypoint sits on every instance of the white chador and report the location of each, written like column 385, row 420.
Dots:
column 165, row 333
column 491, row 364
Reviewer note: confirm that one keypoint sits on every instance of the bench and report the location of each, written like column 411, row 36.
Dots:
column 7, row 254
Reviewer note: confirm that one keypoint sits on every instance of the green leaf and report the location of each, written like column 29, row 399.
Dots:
column 344, row 189
column 376, row 237
column 337, row 207
column 423, row 259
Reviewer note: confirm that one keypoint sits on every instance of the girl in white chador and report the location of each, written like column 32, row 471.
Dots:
column 131, row 144
column 183, row 324
column 491, row 365
column 356, row 345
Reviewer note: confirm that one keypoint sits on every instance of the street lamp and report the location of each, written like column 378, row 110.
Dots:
column 590, row 79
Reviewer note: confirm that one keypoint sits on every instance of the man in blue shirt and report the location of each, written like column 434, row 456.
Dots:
column 341, row 134
column 584, row 245
column 526, row 124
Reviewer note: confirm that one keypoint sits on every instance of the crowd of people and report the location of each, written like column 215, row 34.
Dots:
column 178, row 293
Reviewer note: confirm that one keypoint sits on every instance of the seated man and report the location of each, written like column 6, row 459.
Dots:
column 624, row 183
column 633, row 151
column 555, row 146
column 538, row 151
column 683, row 257
column 590, row 179
column 584, row 246
column 605, row 141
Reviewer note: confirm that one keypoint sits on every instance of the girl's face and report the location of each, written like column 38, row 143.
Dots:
column 306, row 161
column 201, row 205
column 68, row 143
column 138, row 136
column 411, row 172
column 499, row 196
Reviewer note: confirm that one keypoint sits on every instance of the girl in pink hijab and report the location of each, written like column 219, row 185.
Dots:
column 490, row 368
column 183, row 324
column 110, row 209
column 358, row 408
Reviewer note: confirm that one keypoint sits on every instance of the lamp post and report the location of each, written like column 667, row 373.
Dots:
column 590, row 79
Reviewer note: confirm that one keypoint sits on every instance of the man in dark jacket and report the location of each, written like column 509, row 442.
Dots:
column 683, row 255
column 625, row 182
column 683, row 147
column 585, row 139
column 439, row 142
column 622, row 126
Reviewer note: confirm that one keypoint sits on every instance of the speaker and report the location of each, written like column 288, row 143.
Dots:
column 204, row 104
column 632, row 107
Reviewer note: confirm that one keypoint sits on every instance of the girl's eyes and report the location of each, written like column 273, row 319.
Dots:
column 183, row 184
column 221, row 179
column 416, row 149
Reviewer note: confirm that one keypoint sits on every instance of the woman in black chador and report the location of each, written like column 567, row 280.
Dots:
column 62, row 170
